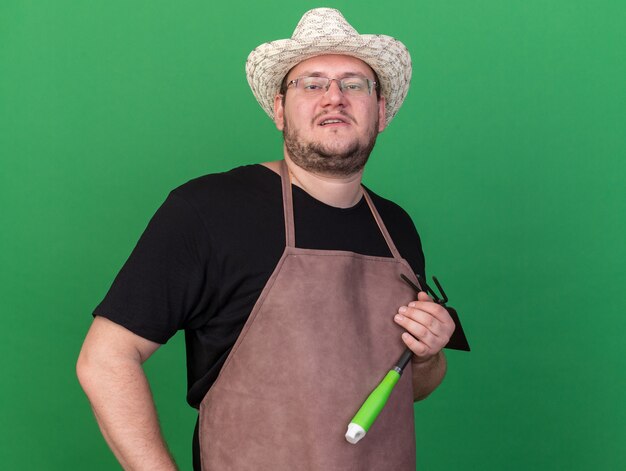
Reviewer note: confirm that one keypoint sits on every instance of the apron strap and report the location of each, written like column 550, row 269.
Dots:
column 381, row 226
column 290, row 232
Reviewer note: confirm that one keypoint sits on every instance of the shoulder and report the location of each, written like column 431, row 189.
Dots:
column 391, row 212
column 231, row 205
column 230, row 190
column 402, row 230
column 248, row 177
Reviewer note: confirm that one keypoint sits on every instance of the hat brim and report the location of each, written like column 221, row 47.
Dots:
column 268, row 64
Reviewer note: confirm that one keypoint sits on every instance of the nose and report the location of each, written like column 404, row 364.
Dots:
column 333, row 94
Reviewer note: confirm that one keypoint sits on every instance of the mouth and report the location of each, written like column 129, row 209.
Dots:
column 332, row 121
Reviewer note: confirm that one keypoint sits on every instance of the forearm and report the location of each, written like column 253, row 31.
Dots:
column 120, row 396
column 427, row 375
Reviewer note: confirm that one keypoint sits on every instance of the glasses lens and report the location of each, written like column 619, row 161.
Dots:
column 313, row 84
column 355, row 85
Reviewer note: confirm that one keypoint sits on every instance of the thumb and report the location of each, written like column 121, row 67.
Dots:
column 423, row 296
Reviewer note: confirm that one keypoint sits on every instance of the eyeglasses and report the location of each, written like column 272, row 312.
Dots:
column 349, row 86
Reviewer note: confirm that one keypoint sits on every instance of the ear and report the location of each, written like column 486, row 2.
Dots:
column 382, row 114
column 279, row 112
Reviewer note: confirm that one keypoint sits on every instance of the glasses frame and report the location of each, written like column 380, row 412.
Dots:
column 371, row 84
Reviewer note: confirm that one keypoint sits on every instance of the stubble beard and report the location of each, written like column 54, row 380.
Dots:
column 321, row 158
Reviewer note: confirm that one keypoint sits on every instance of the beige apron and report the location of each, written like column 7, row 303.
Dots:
column 319, row 339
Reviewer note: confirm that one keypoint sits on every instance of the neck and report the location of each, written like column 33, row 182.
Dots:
column 340, row 192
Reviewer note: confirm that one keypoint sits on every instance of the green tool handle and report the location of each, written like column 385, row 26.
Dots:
column 374, row 403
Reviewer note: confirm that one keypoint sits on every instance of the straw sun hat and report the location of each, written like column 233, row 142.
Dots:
column 326, row 31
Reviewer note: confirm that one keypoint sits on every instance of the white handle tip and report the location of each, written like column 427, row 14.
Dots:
column 355, row 433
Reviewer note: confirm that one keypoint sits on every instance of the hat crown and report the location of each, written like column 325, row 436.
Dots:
column 323, row 22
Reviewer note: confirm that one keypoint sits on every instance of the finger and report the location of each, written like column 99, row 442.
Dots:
column 423, row 296
column 423, row 319
column 417, row 330
column 432, row 308
column 418, row 348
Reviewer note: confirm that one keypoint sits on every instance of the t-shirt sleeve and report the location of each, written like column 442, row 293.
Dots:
column 160, row 287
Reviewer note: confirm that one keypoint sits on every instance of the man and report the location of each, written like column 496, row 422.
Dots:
column 285, row 277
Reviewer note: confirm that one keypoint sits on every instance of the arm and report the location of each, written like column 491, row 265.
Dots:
column 428, row 329
column 110, row 372
column 427, row 375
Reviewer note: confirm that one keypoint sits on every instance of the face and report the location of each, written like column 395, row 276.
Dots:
column 339, row 147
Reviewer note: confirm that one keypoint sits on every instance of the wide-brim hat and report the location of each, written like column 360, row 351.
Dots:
column 325, row 31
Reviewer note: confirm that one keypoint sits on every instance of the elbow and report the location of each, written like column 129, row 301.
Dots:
column 422, row 394
column 92, row 368
column 84, row 369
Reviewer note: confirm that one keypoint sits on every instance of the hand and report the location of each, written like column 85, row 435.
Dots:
column 428, row 327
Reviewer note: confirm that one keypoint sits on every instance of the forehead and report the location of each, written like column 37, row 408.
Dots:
column 332, row 66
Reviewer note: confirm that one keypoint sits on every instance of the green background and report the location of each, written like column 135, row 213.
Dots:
column 508, row 152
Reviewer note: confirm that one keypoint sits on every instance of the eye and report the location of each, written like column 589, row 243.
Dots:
column 354, row 84
column 312, row 83
column 312, row 86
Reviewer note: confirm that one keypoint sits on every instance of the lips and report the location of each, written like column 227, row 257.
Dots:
column 328, row 120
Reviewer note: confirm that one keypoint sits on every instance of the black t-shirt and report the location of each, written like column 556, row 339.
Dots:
column 209, row 250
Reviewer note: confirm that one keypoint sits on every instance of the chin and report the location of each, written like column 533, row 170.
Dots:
column 330, row 154
column 337, row 149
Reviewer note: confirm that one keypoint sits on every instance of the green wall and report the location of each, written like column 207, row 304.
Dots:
column 508, row 152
